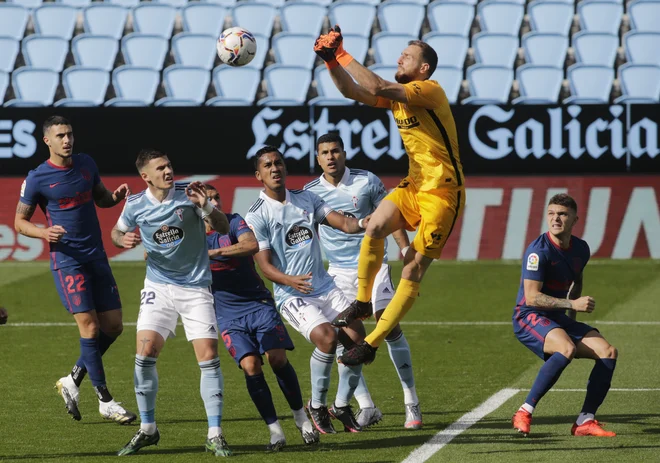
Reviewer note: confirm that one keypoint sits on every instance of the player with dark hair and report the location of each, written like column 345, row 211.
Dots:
column 432, row 196
column 285, row 223
column 170, row 217
column 551, row 283
column 251, row 326
column 357, row 193
column 66, row 188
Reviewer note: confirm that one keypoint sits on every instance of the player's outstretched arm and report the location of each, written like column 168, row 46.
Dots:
column 22, row 225
column 124, row 240
column 535, row 298
column 105, row 198
column 247, row 246
column 218, row 221
column 346, row 224
column 196, row 192
column 300, row 283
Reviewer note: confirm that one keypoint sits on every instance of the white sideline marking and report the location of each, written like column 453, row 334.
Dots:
column 445, row 436
column 614, row 389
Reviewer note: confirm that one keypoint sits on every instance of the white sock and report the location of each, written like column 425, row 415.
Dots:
column 365, row 401
column 584, row 417
column 276, row 432
column 214, row 431
column 300, row 417
column 148, row 428
column 410, row 396
column 527, row 407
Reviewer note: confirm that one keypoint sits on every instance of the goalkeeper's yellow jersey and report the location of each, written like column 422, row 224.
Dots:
column 429, row 136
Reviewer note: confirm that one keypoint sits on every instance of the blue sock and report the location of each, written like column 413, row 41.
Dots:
column 261, row 396
column 211, row 387
column 79, row 371
column 361, row 392
column 598, row 385
column 349, row 379
column 402, row 360
column 288, row 381
column 547, row 377
column 320, row 365
column 146, row 387
column 91, row 356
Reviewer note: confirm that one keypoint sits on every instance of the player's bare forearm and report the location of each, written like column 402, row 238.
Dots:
column 117, row 237
column 350, row 89
column 367, row 79
column 401, row 238
column 218, row 221
column 269, row 270
column 240, row 249
column 104, row 199
column 341, row 222
column 545, row 302
column 22, row 224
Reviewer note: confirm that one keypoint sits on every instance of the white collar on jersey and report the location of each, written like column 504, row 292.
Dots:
column 154, row 200
column 265, row 197
column 344, row 180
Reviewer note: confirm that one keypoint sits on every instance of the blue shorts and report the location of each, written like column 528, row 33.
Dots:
column 255, row 333
column 531, row 328
column 88, row 286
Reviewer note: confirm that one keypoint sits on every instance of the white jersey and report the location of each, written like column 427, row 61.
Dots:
column 174, row 235
column 357, row 195
column 289, row 231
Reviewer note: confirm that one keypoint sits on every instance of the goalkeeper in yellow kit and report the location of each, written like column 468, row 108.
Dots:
column 432, row 196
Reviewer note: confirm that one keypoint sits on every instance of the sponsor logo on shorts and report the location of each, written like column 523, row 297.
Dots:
column 168, row 237
column 533, row 262
column 299, row 237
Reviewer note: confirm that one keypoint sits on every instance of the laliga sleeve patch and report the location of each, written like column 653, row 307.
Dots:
column 533, row 262
column 23, row 188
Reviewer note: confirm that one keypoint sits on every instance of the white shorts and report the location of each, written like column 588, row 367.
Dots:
column 306, row 313
column 346, row 279
column 161, row 305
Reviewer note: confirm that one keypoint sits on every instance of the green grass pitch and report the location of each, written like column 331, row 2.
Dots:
column 456, row 368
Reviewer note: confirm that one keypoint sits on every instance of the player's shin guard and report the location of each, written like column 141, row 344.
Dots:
column 288, row 381
column 321, row 367
column 372, row 251
column 79, row 371
column 598, row 385
column 402, row 360
column 211, row 387
column 401, row 303
column 261, row 396
column 349, row 382
column 547, row 377
column 146, row 388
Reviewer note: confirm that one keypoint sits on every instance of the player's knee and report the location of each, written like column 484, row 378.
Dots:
column 277, row 358
column 610, row 352
column 324, row 337
column 251, row 365
column 114, row 330
column 376, row 230
column 89, row 329
column 568, row 350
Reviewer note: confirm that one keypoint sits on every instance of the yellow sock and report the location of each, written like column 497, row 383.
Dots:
column 372, row 251
column 401, row 303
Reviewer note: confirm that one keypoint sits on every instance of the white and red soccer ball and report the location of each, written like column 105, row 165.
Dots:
column 237, row 46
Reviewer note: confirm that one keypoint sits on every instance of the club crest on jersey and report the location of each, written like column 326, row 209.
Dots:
column 179, row 214
column 167, row 236
column 533, row 262
column 298, row 237
column 355, row 201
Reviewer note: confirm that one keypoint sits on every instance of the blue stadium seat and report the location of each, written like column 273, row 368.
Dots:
column 640, row 83
column 86, row 84
column 600, row 16
column 255, row 16
column 225, row 3
column 489, row 84
column 204, row 18
column 170, row 101
column 294, row 49
column 303, row 17
column 23, row 104
column 75, row 3
column 357, row 46
column 35, row 85
column 274, row 3
column 173, row 3
column 236, row 83
column 384, row 71
column 495, row 49
column 45, row 52
column 551, row 17
column 327, row 90
column 262, row 50
column 401, row 17
column 642, row 47
column 8, row 54
column 318, row 2
column 286, row 85
column 195, row 50
column 55, row 20
column 450, row 79
column 30, row 4
column 644, row 15
column 353, row 17
column 538, row 84
column 154, row 19
column 388, row 46
column 72, row 103
column 595, row 48
column 4, row 84
column 589, row 84
column 144, row 50
column 222, row 101
column 105, row 19
column 136, row 83
column 124, row 3
column 13, row 19
column 545, row 49
column 450, row 48
column 95, row 51
column 500, row 17
column 117, row 102
column 451, row 17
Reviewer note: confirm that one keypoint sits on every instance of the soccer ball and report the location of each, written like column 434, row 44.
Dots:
column 236, row 46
